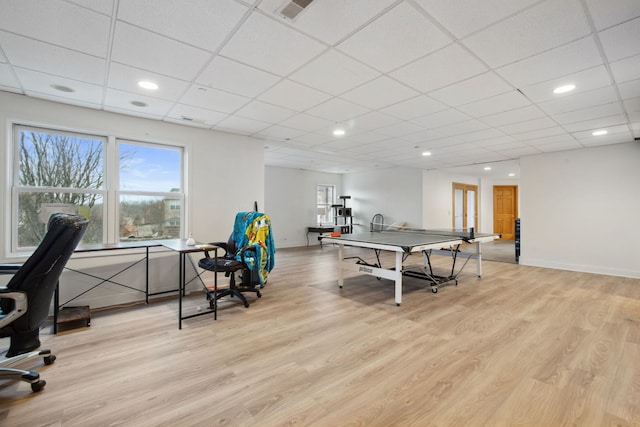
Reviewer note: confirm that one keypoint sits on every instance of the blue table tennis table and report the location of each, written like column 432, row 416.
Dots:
column 406, row 242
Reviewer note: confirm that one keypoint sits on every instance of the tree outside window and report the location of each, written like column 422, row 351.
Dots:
column 60, row 171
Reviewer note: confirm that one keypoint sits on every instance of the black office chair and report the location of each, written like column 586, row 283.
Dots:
column 233, row 260
column 26, row 299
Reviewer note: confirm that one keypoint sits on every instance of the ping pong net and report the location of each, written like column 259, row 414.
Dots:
column 463, row 233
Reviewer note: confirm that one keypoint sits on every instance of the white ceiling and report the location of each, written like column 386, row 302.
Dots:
column 468, row 80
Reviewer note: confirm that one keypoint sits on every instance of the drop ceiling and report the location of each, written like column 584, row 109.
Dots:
column 470, row 81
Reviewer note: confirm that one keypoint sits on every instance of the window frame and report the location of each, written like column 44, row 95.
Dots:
column 331, row 216
column 110, row 191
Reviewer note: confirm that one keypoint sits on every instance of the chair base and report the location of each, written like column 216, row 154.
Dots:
column 233, row 292
column 8, row 372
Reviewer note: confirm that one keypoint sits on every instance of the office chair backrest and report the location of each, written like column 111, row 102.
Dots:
column 39, row 275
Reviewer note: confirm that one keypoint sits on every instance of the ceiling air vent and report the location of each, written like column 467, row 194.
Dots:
column 292, row 8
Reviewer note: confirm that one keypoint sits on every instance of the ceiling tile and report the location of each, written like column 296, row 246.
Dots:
column 496, row 104
column 58, row 22
column 139, row 48
column 526, row 126
column 630, row 89
column 306, row 122
column 462, row 128
column 195, row 22
column 373, row 120
column 40, row 83
column 293, row 95
column 444, row 67
column 7, row 78
column 611, row 12
column 234, row 77
column 584, row 81
column 546, row 132
column 337, row 110
column 264, row 112
column 564, row 60
column 590, row 113
column 271, row 46
column 279, row 132
column 320, row 19
column 241, row 125
column 400, row 129
column 377, row 43
column 513, row 116
column 598, row 123
column 441, row 118
column 546, row 25
column 414, row 107
column 379, row 93
column 334, row 72
column 35, row 55
column 188, row 113
column 621, row 41
column 473, row 89
column 126, row 78
column 213, row 99
column 462, row 17
column 580, row 100
column 626, row 69
column 121, row 100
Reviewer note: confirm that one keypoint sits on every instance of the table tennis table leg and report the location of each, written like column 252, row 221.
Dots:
column 479, row 258
column 341, row 261
column 398, row 279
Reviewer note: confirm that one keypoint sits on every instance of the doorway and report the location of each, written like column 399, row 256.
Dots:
column 465, row 206
column 505, row 210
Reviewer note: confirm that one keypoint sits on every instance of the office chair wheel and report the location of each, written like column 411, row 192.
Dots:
column 246, row 305
column 38, row 385
column 259, row 294
column 434, row 290
column 48, row 360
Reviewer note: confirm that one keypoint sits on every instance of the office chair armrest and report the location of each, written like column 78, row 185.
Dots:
column 19, row 307
column 221, row 245
column 9, row 268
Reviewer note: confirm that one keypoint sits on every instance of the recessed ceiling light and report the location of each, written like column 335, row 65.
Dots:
column 599, row 132
column 512, row 174
column 426, row 153
column 139, row 103
column 338, row 132
column 145, row 84
column 564, row 89
column 62, row 88
column 487, row 168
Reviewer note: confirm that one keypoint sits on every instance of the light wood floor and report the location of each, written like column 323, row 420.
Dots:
column 522, row 346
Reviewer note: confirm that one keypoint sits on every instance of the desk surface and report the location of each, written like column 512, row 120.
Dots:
column 180, row 245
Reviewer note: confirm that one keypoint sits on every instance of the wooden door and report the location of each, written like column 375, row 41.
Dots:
column 505, row 210
column 465, row 206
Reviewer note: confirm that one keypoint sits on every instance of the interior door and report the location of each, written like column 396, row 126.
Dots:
column 465, row 206
column 505, row 209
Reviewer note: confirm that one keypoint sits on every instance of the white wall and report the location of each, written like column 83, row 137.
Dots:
column 580, row 210
column 225, row 173
column 395, row 193
column 290, row 202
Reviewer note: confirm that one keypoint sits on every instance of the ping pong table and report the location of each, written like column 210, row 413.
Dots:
column 407, row 242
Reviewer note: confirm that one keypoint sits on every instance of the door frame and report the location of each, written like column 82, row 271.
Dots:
column 464, row 188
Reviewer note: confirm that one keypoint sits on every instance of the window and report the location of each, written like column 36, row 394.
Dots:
column 57, row 172
column 325, row 198
column 150, row 192
column 60, row 171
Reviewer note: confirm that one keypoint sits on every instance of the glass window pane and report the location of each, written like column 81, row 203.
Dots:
column 149, row 217
column 146, row 168
column 35, row 208
column 50, row 159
